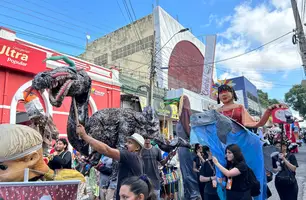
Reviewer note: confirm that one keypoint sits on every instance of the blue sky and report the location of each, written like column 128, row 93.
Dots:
column 240, row 25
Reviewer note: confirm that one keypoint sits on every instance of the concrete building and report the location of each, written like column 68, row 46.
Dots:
column 177, row 55
column 128, row 48
column 247, row 95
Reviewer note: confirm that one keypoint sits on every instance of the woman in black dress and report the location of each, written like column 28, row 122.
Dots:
column 208, row 176
column 198, row 160
column 236, row 173
column 285, row 164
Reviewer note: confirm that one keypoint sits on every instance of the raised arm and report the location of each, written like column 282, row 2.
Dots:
column 228, row 173
column 248, row 120
column 100, row 147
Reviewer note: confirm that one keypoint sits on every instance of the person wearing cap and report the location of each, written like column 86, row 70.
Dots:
column 130, row 161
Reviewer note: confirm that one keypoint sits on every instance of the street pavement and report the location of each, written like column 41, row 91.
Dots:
column 300, row 176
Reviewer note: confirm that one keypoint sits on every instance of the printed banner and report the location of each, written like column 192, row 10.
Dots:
column 19, row 57
column 41, row 191
column 209, row 59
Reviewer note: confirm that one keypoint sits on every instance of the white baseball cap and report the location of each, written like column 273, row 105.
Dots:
column 137, row 138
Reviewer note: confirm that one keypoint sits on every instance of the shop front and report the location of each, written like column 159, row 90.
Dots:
column 198, row 103
column 20, row 61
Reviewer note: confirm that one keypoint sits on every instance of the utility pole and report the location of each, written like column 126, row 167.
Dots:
column 299, row 34
column 152, row 74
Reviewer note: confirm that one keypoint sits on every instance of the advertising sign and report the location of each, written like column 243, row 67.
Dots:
column 96, row 92
column 46, row 190
column 162, row 110
column 208, row 65
column 19, row 57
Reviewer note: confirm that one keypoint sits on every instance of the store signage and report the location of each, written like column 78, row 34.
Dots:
column 19, row 57
column 162, row 110
column 174, row 109
column 96, row 92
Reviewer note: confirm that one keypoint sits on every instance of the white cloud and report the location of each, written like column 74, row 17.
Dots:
column 211, row 18
column 254, row 26
column 220, row 22
column 281, row 4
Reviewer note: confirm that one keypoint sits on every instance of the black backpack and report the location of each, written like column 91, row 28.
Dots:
column 253, row 183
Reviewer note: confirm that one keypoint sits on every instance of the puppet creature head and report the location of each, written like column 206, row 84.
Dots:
column 226, row 94
column 224, row 91
column 63, row 81
column 20, row 148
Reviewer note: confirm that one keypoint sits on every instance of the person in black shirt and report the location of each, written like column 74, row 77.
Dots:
column 61, row 158
column 285, row 162
column 236, row 173
column 130, row 161
column 197, row 163
column 208, row 176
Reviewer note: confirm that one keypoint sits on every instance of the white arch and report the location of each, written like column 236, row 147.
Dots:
column 92, row 105
column 19, row 95
column 49, row 109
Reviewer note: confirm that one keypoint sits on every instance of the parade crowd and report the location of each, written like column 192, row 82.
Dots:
column 147, row 173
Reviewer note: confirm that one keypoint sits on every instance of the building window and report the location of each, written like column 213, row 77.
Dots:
column 249, row 95
column 101, row 60
column 132, row 48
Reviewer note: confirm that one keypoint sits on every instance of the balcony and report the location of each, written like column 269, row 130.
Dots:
column 130, row 85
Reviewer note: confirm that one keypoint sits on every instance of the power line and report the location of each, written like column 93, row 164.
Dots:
column 134, row 27
column 7, row 16
column 233, row 57
column 53, row 22
column 247, row 52
column 43, row 37
column 122, row 12
column 85, row 22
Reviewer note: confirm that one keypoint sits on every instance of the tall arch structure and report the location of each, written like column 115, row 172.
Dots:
column 185, row 67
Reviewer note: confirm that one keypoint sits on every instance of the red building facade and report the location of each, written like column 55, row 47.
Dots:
column 20, row 61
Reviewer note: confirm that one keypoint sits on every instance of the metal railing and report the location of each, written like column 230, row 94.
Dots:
column 131, row 85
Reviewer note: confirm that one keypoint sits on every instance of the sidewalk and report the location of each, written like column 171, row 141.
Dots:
column 300, row 176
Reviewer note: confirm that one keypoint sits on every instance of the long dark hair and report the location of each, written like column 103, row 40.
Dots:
column 226, row 88
column 196, row 147
column 140, row 185
column 238, row 156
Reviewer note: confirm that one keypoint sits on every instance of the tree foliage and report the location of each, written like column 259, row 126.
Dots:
column 264, row 99
column 296, row 98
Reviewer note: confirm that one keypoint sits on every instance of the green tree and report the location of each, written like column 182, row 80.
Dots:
column 264, row 99
column 273, row 101
column 296, row 98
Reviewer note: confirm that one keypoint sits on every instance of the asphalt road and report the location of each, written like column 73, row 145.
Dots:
column 300, row 176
